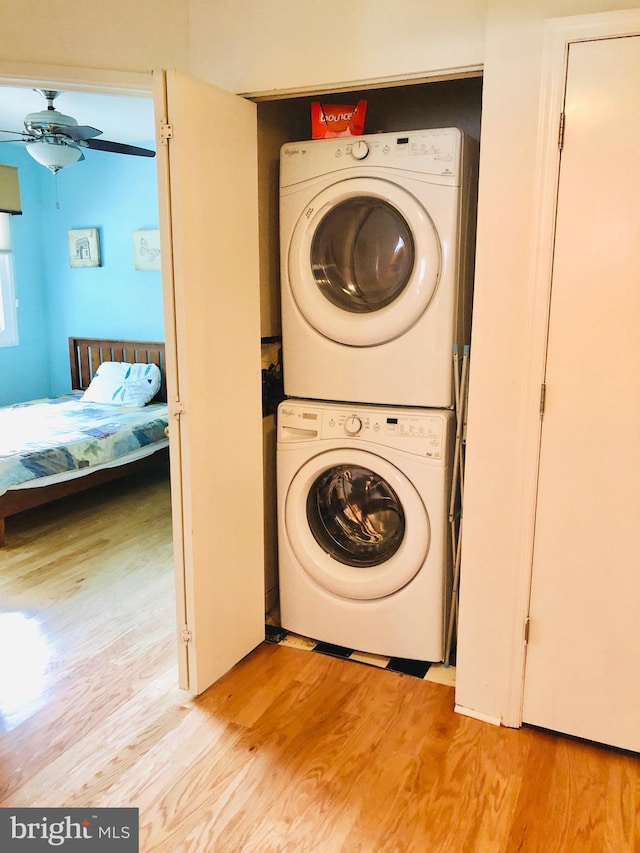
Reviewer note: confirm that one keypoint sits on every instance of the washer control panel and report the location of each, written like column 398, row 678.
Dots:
column 414, row 431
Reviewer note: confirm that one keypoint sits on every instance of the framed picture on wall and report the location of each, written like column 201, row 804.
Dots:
column 84, row 247
column 146, row 249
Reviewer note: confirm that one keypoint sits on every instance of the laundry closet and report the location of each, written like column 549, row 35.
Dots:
column 419, row 106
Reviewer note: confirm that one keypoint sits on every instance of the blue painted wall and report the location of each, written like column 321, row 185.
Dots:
column 116, row 194
column 24, row 369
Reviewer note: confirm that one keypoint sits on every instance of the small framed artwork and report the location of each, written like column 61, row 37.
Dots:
column 84, row 247
column 146, row 249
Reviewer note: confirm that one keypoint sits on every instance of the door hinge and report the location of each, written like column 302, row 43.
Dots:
column 166, row 131
column 527, row 622
column 543, row 398
column 561, row 131
column 186, row 635
column 178, row 409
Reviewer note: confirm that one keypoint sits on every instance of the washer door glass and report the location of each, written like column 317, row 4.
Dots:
column 355, row 516
column 362, row 254
column 356, row 524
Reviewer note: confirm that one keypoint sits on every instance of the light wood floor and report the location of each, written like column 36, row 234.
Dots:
column 291, row 751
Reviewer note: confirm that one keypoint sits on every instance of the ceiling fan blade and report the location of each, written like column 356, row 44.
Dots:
column 79, row 132
column 14, row 132
column 117, row 147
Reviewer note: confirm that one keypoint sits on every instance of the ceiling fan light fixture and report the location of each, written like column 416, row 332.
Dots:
column 55, row 155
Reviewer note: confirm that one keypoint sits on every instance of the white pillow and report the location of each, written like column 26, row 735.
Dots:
column 123, row 384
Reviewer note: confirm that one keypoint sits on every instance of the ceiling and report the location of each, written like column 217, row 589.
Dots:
column 121, row 119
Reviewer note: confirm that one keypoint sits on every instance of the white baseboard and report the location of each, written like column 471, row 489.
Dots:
column 477, row 715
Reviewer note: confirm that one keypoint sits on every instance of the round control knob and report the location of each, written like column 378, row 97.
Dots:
column 352, row 425
column 359, row 149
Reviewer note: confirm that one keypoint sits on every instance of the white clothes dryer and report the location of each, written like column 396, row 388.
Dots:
column 363, row 526
column 377, row 247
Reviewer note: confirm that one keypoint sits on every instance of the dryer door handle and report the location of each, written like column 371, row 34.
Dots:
column 298, row 432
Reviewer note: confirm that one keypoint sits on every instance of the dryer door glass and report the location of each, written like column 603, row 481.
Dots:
column 355, row 516
column 362, row 254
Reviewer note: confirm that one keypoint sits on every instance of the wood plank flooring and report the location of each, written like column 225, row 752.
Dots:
column 291, row 752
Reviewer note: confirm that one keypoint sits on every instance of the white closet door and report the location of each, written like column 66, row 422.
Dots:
column 209, row 220
column 583, row 657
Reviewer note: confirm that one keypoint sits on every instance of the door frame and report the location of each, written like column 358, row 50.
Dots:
column 559, row 34
column 99, row 81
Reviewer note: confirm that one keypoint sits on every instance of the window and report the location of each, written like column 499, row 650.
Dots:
column 8, row 304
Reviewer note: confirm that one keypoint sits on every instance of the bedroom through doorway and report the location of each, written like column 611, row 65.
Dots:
column 82, row 555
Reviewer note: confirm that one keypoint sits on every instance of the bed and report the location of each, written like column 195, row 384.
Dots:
column 50, row 449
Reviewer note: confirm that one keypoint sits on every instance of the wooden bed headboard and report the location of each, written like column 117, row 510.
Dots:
column 86, row 355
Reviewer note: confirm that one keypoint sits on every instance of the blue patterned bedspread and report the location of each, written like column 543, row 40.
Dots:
column 45, row 437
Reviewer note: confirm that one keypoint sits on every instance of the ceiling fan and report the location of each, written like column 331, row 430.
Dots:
column 56, row 140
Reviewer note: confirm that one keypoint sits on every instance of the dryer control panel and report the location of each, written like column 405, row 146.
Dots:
column 420, row 432
column 436, row 153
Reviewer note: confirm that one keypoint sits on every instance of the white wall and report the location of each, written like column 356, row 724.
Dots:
column 253, row 46
column 111, row 34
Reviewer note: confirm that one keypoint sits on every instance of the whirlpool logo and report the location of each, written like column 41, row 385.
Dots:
column 85, row 830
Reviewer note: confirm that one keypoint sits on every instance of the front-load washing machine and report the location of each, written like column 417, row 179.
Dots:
column 377, row 246
column 363, row 526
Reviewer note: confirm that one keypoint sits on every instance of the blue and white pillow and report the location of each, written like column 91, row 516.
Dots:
column 123, row 384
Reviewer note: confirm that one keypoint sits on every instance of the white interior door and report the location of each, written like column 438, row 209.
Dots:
column 583, row 656
column 209, row 221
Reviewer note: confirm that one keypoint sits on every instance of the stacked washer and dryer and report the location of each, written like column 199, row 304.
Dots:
column 376, row 278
